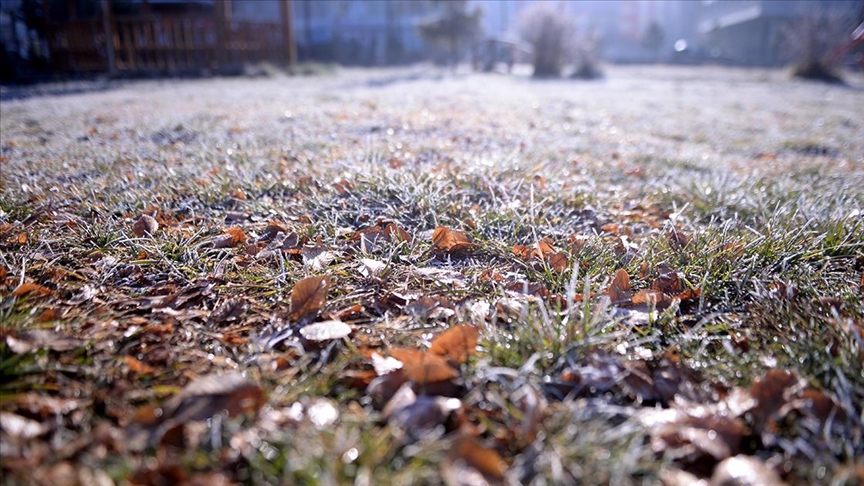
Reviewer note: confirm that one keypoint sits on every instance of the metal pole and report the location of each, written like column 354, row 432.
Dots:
column 109, row 36
column 288, row 33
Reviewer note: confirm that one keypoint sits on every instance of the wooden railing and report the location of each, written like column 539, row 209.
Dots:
column 78, row 46
column 164, row 44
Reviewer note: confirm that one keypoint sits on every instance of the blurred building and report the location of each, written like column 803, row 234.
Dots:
column 752, row 32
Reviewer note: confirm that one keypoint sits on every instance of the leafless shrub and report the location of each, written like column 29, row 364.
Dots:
column 550, row 31
column 812, row 41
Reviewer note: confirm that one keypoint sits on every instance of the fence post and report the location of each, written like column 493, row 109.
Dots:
column 221, row 34
column 109, row 36
column 290, row 43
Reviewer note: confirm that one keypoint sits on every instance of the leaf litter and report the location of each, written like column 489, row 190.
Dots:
column 558, row 315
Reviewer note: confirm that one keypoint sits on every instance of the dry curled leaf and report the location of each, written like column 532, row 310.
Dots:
column 386, row 231
column 422, row 368
column 417, row 415
column 537, row 289
column 19, row 427
column 541, row 249
column 371, row 268
column 200, row 400
column 558, row 262
column 619, row 290
column 485, row 460
column 456, row 343
column 29, row 288
column 745, row 471
column 698, row 441
column 274, row 228
column 26, row 341
column 229, row 310
column 233, row 236
column 137, row 366
column 771, row 393
column 651, row 297
column 325, row 331
column 430, row 307
column 448, row 240
column 668, row 282
column 308, row 296
column 146, row 225
column 317, row 257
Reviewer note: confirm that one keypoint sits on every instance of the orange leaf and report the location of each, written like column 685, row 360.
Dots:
column 22, row 238
column 456, row 343
column 308, row 296
column 558, row 262
column 619, row 291
column 579, row 296
column 136, row 366
column 610, row 228
column 537, row 289
column 237, row 235
column 650, row 297
column 387, row 231
column 490, row 275
column 49, row 314
column 541, row 249
column 343, row 187
column 525, row 252
column 485, row 460
column 446, row 239
column 423, row 368
column 689, row 294
column 644, row 268
column 30, row 288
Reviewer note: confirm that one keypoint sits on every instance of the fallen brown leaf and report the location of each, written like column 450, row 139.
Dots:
column 26, row 341
column 619, row 290
column 771, row 393
column 558, row 262
column 28, row 288
column 138, row 367
column 540, row 250
column 448, row 240
column 483, row 459
column 308, row 296
column 650, row 297
column 201, row 399
column 146, row 225
column 423, row 368
column 456, row 343
column 229, row 310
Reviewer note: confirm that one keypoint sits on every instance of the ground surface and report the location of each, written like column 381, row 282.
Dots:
column 729, row 344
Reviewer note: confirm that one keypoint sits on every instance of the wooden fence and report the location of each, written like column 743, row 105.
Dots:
column 176, row 43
